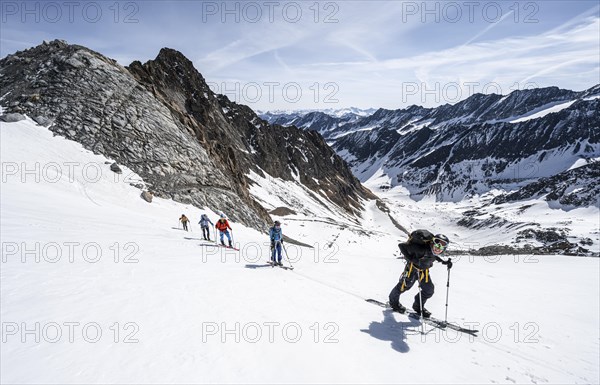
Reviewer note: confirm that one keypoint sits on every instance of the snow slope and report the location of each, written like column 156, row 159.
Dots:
column 188, row 312
column 544, row 110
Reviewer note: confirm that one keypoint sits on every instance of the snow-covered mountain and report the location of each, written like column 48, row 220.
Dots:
column 484, row 143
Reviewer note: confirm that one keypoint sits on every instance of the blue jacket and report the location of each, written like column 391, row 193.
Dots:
column 204, row 221
column 275, row 234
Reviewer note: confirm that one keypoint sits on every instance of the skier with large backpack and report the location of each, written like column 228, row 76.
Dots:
column 420, row 251
column 276, row 237
column 204, row 221
column 222, row 225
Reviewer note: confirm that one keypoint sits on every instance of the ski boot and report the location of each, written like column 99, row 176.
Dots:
column 421, row 311
column 398, row 308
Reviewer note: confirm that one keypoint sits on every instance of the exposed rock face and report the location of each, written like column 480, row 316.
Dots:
column 161, row 120
column 238, row 139
column 575, row 188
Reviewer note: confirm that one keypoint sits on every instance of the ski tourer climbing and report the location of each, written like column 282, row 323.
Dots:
column 184, row 220
column 276, row 237
column 204, row 225
column 420, row 251
column 223, row 226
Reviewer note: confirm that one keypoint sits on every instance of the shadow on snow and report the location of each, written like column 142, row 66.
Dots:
column 391, row 330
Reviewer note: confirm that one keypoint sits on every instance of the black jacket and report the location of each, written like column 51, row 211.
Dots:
column 420, row 255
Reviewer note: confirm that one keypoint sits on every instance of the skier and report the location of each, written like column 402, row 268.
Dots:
column 184, row 220
column 276, row 243
column 222, row 225
column 204, row 221
column 420, row 251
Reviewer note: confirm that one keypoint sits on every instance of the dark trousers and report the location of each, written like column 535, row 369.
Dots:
column 185, row 225
column 276, row 252
column 206, row 233
column 407, row 280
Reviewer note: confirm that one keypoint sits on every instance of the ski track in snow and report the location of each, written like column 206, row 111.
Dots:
column 538, row 316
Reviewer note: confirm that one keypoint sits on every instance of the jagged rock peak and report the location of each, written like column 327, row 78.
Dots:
column 161, row 120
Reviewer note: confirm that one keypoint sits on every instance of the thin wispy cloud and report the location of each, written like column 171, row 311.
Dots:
column 489, row 27
column 511, row 62
column 370, row 50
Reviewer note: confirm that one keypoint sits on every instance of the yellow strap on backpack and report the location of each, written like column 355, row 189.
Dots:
column 406, row 277
column 424, row 274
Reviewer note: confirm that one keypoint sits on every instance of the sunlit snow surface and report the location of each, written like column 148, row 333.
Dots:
column 181, row 312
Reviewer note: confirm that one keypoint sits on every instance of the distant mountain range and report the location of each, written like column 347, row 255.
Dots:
column 334, row 112
column 485, row 143
column 325, row 122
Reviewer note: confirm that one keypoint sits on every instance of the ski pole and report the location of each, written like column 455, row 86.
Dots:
column 447, row 290
column 232, row 239
column 421, row 303
column 287, row 255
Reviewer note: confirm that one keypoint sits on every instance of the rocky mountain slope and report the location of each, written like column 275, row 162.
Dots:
column 162, row 121
column 483, row 143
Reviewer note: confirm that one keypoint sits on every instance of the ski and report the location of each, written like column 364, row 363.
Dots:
column 283, row 267
column 208, row 244
column 228, row 247
column 430, row 321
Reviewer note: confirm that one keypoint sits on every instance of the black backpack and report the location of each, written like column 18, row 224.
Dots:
column 420, row 237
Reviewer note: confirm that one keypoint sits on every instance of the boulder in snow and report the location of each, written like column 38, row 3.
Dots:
column 115, row 168
column 43, row 121
column 11, row 118
column 147, row 196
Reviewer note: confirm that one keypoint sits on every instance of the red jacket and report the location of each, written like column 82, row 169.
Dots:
column 222, row 225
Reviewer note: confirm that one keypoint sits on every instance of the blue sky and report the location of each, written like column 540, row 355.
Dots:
column 334, row 54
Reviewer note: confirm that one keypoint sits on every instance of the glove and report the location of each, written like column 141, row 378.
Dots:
column 272, row 244
column 448, row 263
